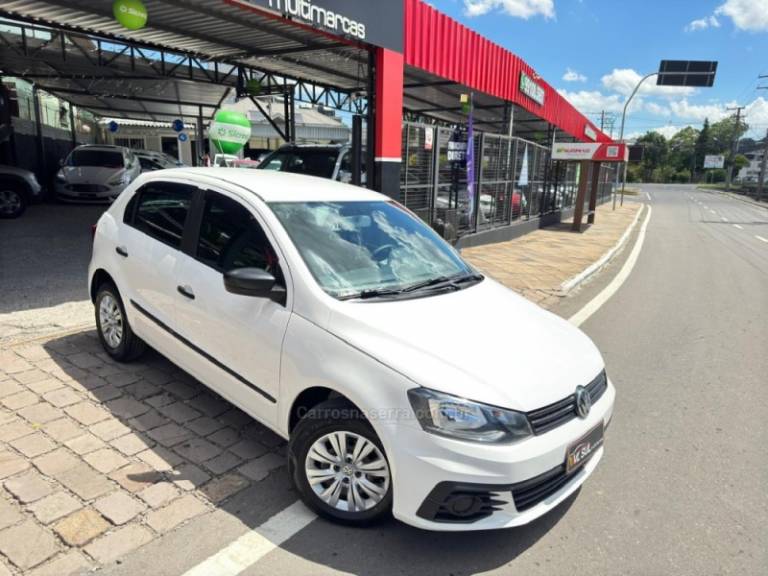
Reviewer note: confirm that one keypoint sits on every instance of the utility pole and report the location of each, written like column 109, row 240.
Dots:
column 602, row 120
column 734, row 146
column 763, row 163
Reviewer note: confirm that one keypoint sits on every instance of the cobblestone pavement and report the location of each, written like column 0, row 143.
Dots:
column 535, row 265
column 98, row 458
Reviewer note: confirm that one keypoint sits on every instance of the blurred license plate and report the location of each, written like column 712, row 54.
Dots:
column 583, row 449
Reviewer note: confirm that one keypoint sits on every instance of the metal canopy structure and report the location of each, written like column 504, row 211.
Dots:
column 431, row 97
column 191, row 55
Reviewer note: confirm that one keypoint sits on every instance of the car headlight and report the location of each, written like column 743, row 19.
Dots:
column 456, row 417
column 122, row 178
column 60, row 175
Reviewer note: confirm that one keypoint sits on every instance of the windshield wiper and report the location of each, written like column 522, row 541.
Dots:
column 438, row 283
column 445, row 282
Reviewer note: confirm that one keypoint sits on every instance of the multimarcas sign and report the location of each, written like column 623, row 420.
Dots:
column 531, row 89
column 374, row 22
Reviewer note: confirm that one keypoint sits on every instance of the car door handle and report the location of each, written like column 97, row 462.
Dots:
column 186, row 291
column 122, row 251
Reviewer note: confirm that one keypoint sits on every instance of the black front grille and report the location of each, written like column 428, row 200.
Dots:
column 461, row 503
column 530, row 492
column 92, row 188
column 556, row 414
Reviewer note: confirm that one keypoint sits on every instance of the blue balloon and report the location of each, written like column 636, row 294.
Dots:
column 183, row 137
column 178, row 125
column 113, row 126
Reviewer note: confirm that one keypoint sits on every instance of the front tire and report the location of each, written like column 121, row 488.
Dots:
column 115, row 332
column 339, row 466
column 13, row 199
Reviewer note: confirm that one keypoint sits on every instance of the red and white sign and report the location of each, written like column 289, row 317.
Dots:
column 595, row 151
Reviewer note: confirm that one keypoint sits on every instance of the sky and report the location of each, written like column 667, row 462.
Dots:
column 595, row 51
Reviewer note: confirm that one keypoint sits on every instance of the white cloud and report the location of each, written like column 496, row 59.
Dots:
column 657, row 109
column 624, row 80
column 593, row 101
column 703, row 24
column 519, row 8
column 749, row 15
column 666, row 131
column 573, row 76
column 683, row 109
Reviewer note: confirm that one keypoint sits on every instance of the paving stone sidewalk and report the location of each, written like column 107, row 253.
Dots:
column 535, row 265
column 98, row 458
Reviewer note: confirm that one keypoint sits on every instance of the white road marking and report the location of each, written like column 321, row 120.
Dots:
column 254, row 545
column 596, row 303
column 723, row 218
column 713, row 212
column 737, row 226
column 649, row 196
column 761, row 238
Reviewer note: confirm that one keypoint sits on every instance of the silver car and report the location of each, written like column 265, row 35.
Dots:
column 96, row 173
column 18, row 187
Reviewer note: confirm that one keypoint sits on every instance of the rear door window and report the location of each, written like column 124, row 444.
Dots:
column 162, row 209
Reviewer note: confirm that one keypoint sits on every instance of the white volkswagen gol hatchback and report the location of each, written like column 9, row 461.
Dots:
column 403, row 379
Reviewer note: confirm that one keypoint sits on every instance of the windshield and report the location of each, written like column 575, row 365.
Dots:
column 357, row 247
column 100, row 158
column 310, row 161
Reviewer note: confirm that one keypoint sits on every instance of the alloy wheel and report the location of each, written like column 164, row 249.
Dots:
column 347, row 471
column 111, row 321
column 10, row 201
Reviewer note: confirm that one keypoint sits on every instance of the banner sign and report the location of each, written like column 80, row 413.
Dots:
column 377, row 23
column 531, row 89
column 429, row 138
column 457, row 151
column 589, row 132
column 714, row 161
column 596, row 151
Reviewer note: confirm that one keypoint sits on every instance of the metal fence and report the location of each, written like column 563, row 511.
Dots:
column 515, row 180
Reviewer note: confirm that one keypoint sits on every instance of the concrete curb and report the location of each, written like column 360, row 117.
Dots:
column 24, row 341
column 567, row 286
column 736, row 197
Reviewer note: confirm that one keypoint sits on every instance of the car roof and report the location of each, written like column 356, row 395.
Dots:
column 109, row 147
column 274, row 186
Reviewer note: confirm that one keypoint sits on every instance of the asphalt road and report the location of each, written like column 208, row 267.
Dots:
column 683, row 485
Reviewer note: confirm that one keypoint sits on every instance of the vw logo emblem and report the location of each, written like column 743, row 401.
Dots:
column 583, row 401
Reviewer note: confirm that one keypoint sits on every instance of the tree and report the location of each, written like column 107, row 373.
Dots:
column 704, row 144
column 682, row 149
column 655, row 154
column 725, row 132
column 740, row 161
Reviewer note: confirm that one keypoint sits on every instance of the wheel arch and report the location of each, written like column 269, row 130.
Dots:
column 308, row 399
column 100, row 276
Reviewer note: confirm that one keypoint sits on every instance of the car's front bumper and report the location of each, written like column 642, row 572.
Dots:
column 104, row 195
column 427, row 467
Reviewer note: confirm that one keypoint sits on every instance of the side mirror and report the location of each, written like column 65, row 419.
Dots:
column 253, row 282
column 61, row 162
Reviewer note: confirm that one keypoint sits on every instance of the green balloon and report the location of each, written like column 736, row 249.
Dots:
column 130, row 13
column 229, row 131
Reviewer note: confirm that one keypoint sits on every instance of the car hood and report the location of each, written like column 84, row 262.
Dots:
column 89, row 174
column 484, row 343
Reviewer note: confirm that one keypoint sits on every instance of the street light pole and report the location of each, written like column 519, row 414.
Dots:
column 621, row 137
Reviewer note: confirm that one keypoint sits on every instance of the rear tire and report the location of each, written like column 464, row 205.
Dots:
column 339, row 466
column 115, row 332
column 13, row 199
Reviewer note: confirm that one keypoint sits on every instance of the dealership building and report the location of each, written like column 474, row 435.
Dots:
column 413, row 85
